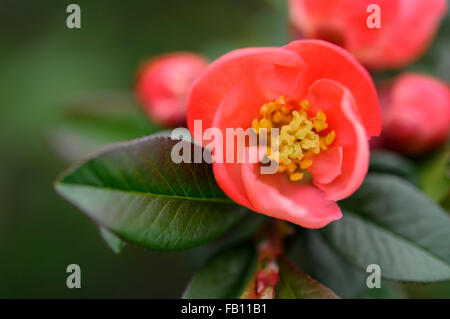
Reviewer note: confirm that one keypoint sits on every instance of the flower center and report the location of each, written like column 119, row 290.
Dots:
column 301, row 135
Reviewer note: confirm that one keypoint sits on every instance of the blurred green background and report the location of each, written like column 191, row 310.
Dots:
column 43, row 67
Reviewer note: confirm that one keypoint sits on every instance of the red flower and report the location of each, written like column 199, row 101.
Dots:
column 407, row 27
column 163, row 84
column 326, row 106
column 416, row 113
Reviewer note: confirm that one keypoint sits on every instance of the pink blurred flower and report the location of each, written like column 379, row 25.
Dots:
column 163, row 84
column 407, row 27
column 416, row 113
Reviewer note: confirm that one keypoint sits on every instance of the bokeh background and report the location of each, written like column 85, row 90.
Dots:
column 46, row 69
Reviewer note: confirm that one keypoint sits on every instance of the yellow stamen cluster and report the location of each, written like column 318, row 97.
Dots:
column 299, row 136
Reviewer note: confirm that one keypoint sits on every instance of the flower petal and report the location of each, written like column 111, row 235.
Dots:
column 328, row 61
column 263, row 72
column 228, row 176
column 274, row 195
column 327, row 165
column 338, row 105
column 230, row 113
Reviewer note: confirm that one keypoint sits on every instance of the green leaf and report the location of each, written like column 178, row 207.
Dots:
column 137, row 191
column 392, row 163
column 115, row 243
column 331, row 269
column 226, row 275
column 437, row 290
column 435, row 175
column 388, row 290
column 294, row 284
column 391, row 223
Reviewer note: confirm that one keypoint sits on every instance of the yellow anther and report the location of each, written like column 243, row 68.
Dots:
column 285, row 110
column 308, row 143
column 304, row 164
column 304, row 104
column 299, row 135
column 298, row 152
column 323, row 145
column 263, row 110
column 321, row 116
column 255, row 125
column 304, row 130
column 320, row 125
column 277, row 117
column 330, row 138
column 296, row 177
column 265, row 123
column 292, row 167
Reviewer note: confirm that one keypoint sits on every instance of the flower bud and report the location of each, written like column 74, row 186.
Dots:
column 163, row 84
column 379, row 33
column 416, row 113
